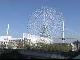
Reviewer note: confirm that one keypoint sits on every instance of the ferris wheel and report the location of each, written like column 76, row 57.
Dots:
column 46, row 22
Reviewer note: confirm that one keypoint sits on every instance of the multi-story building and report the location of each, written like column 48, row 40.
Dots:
column 35, row 39
column 4, row 40
column 8, row 40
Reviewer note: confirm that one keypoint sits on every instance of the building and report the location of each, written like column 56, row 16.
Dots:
column 9, row 40
column 35, row 39
column 75, row 45
column 4, row 40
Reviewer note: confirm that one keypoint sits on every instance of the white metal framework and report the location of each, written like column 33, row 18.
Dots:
column 46, row 22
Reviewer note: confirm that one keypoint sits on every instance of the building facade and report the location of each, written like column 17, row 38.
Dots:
column 35, row 39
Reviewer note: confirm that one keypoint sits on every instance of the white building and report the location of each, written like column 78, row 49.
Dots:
column 5, row 39
column 8, row 40
column 35, row 39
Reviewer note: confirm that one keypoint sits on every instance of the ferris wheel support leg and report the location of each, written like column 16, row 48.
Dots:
column 63, row 41
column 63, row 31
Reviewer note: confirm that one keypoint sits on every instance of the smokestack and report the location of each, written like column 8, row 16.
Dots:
column 8, row 30
column 8, row 26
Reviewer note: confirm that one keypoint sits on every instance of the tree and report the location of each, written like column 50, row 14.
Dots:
column 41, row 45
column 9, row 47
column 26, row 46
column 3, row 46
